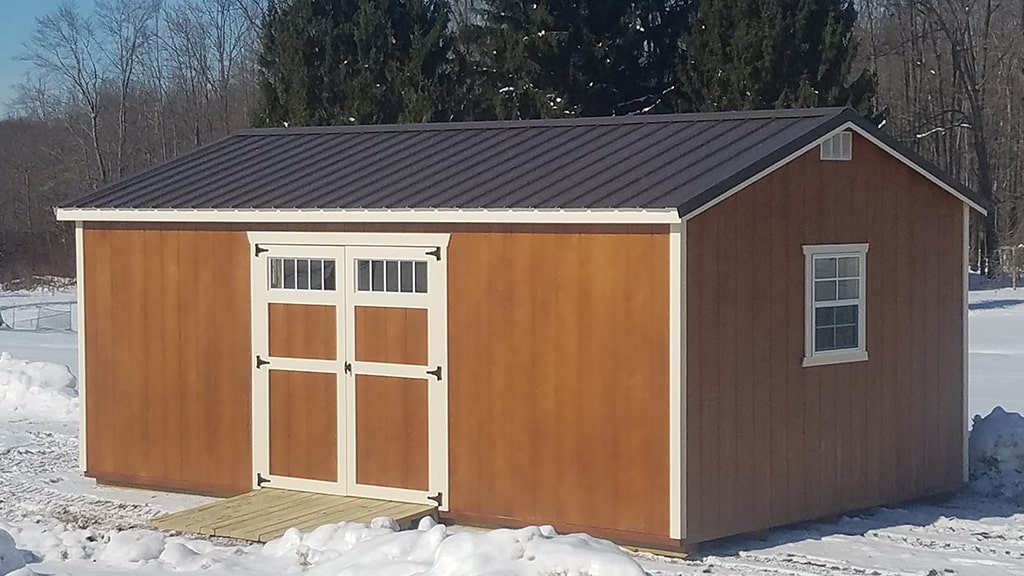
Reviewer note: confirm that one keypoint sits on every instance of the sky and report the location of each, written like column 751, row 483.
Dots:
column 17, row 18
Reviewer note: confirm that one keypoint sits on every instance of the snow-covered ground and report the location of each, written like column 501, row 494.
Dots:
column 54, row 521
column 57, row 347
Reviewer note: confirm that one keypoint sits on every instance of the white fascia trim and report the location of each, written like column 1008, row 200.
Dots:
column 412, row 215
column 83, row 445
column 676, row 382
column 812, row 145
column 413, row 239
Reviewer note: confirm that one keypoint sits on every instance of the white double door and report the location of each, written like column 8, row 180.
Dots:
column 349, row 370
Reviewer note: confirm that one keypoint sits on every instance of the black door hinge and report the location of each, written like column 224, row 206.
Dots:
column 260, row 250
column 260, row 362
column 436, row 372
column 436, row 253
column 348, row 367
column 439, row 498
column 260, row 480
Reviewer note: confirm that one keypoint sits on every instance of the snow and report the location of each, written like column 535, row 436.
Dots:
column 39, row 389
column 996, row 332
column 55, row 521
column 997, row 455
column 56, row 347
column 332, row 550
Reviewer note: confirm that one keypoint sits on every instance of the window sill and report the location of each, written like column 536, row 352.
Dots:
column 835, row 358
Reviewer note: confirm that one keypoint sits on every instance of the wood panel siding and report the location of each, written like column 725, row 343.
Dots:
column 557, row 368
column 304, row 425
column 558, row 351
column 391, row 432
column 167, row 320
column 303, row 331
column 392, row 335
column 770, row 442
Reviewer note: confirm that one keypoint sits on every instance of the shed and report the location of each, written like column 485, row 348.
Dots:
column 657, row 329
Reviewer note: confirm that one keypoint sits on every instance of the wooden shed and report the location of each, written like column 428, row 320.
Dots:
column 662, row 329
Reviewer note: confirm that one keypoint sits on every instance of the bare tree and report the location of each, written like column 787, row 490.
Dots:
column 64, row 47
column 128, row 26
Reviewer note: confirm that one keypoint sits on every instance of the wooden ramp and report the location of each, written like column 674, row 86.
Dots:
column 265, row 514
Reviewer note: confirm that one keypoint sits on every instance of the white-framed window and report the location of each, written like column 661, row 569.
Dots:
column 302, row 274
column 407, row 276
column 838, row 147
column 835, row 303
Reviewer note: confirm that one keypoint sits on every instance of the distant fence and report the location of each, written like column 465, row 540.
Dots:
column 54, row 316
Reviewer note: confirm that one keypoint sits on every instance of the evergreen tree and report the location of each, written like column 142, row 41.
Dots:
column 557, row 58
column 744, row 54
column 358, row 61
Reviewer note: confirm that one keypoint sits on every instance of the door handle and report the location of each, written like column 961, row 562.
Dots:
column 260, row 362
column 436, row 372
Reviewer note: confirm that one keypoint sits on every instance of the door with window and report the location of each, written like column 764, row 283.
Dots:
column 350, row 390
column 394, row 317
column 298, row 388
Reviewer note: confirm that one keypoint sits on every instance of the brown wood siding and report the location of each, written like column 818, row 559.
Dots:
column 303, row 331
column 392, row 335
column 770, row 442
column 391, row 432
column 558, row 350
column 304, row 425
column 167, row 320
column 558, row 369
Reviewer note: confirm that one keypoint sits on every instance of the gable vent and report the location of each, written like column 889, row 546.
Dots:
column 838, row 147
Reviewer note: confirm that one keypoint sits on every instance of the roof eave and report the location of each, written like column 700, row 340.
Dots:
column 409, row 215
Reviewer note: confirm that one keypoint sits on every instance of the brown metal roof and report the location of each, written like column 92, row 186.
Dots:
column 665, row 161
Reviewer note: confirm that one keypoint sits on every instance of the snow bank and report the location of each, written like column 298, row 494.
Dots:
column 344, row 549
column 996, row 452
column 37, row 388
column 435, row 550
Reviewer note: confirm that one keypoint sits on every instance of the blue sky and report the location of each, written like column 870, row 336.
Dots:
column 17, row 17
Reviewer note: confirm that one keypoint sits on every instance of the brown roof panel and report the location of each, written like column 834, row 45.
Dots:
column 668, row 161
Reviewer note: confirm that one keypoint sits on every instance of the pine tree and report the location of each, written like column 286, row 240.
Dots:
column 358, row 62
column 745, row 54
column 556, row 58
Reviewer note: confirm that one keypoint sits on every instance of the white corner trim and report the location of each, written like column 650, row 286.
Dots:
column 320, row 239
column 966, row 337
column 676, row 397
column 817, row 142
column 860, row 354
column 83, row 444
column 408, row 215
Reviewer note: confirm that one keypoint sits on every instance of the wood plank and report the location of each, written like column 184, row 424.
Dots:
column 303, row 331
column 303, row 425
column 392, row 432
column 392, row 335
column 263, row 515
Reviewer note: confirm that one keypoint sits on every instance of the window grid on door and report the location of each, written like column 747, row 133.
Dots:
column 316, row 274
column 396, row 276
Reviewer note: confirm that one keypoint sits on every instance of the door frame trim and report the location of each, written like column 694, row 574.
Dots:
column 437, row 398
column 336, row 239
